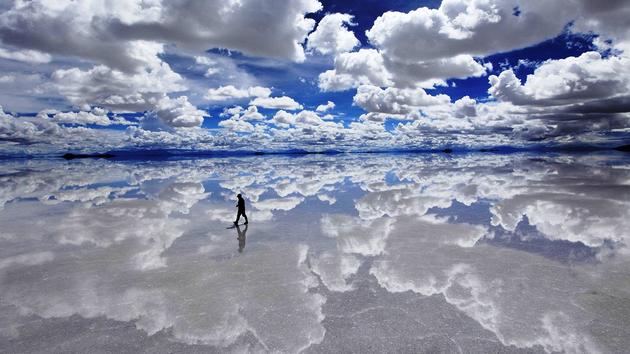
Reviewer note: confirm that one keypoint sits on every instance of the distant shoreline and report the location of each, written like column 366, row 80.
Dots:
column 167, row 154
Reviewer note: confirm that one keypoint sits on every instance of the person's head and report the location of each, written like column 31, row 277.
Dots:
column 239, row 196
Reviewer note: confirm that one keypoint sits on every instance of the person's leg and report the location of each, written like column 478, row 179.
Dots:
column 245, row 216
column 238, row 216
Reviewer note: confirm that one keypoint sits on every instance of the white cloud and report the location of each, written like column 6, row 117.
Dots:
column 105, row 33
column 565, row 81
column 230, row 111
column 114, row 57
column 214, row 25
column 479, row 28
column 325, row 107
column 237, row 125
column 177, row 113
column 304, row 118
column 211, row 65
column 7, row 79
column 308, row 118
column 238, row 113
column 125, row 40
column 204, row 60
column 83, row 118
column 29, row 56
column 231, row 93
column 434, row 72
column 395, row 101
column 283, row 118
column 365, row 67
column 571, row 96
column 371, row 67
column 283, row 102
column 426, row 46
column 332, row 35
column 252, row 114
column 117, row 90
column 41, row 135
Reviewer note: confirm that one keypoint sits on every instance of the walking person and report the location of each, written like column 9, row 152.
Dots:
column 241, row 209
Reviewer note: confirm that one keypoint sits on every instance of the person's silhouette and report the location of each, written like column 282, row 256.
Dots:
column 242, row 237
column 241, row 209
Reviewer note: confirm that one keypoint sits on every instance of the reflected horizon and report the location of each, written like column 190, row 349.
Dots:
column 352, row 252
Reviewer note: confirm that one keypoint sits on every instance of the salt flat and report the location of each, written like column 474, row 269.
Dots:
column 471, row 253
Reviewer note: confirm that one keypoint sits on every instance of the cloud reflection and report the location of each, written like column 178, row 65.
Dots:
column 145, row 242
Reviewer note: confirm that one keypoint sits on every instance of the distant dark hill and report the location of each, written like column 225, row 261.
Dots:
column 175, row 154
column 163, row 154
column 70, row 156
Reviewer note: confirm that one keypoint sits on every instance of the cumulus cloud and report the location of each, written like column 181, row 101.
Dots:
column 251, row 113
column 463, row 27
column 566, row 81
column 325, row 107
column 177, row 113
column 283, row 102
column 231, row 93
column 117, row 57
column 395, row 101
column 126, row 40
column 332, row 35
column 571, row 95
column 371, row 67
column 303, row 118
column 237, row 112
column 237, row 125
column 426, row 46
column 222, row 26
column 116, row 90
column 81, row 118
column 283, row 118
column 365, row 66
column 97, row 116
column 41, row 135
column 74, row 29
column 106, row 34
column 432, row 73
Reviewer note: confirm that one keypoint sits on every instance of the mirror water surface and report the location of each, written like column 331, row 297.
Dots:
column 346, row 253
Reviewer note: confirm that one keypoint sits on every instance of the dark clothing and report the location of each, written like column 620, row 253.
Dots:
column 238, row 216
column 241, row 205
column 241, row 210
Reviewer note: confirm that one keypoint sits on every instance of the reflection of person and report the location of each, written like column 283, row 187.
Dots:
column 241, row 209
column 242, row 237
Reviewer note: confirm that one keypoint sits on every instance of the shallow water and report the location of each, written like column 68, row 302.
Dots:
column 470, row 253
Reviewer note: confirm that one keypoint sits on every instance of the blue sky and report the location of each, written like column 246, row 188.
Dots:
column 313, row 75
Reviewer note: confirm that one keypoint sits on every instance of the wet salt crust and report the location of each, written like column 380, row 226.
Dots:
column 378, row 253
